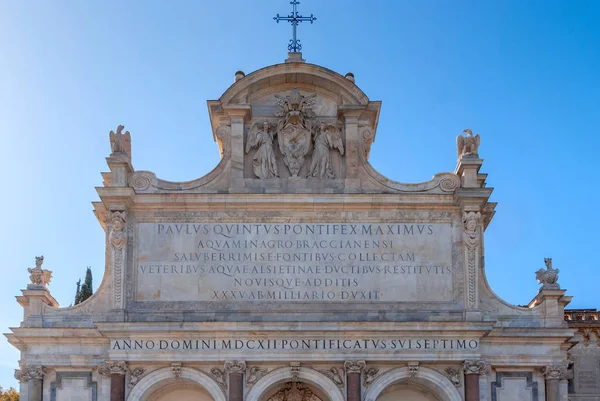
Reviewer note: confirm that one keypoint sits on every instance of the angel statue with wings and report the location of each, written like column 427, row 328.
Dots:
column 326, row 137
column 119, row 142
column 263, row 162
column 467, row 145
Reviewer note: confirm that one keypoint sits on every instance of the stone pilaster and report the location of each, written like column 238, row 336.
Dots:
column 474, row 369
column 554, row 374
column 33, row 376
column 118, row 243
column 116, row 370
column 353, row 373
column 235, row 370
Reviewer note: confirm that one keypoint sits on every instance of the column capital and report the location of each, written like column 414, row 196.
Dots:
column 109, row 368
column 235, row 366
column 354, row 366
column 29, row 372
column 476, row 367
column 556, row 372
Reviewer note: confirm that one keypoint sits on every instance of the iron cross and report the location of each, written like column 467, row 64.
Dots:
column 294, row 19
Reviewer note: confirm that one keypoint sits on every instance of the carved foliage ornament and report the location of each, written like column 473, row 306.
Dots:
column 478, row 367
column 557, row 372
column 29, row 372
column 467, row 145
column 39, row 276
column 113, row 368
column 354, row 366
column 548, row 277
column 235, row 366
column 120, row 143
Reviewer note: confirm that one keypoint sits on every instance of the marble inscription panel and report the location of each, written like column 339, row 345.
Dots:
column 246, row 262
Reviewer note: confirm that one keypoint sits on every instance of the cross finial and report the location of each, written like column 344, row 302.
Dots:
column 294, row 18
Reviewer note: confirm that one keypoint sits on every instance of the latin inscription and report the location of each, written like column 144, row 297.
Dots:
column 294, row 262
column 382, row 344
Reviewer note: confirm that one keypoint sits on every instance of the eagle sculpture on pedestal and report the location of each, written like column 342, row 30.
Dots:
column 467, row 145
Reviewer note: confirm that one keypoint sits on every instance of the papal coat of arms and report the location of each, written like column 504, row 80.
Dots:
column 294, row 129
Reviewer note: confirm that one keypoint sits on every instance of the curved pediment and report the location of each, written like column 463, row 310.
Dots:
column 271, row 79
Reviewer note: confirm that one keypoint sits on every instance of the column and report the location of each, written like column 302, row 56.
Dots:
column 116, row 370
column 473, row 369
column 235, row 370
column 33, row 376
column 554, row 374
column 353, row 371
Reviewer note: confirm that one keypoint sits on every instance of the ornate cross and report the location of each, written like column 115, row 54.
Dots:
column 294, row 19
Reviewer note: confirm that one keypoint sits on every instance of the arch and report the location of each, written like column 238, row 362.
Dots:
column 427, row 377
column 283, row 375
column 161, row 377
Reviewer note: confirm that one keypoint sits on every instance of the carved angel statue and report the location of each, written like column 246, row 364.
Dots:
column 37, row 275
column 263, row 162
column 326, row 137
column 548, row 277
column 119, row 142
column 467, row 145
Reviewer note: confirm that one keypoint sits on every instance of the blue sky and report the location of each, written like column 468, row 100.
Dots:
column 522, row 74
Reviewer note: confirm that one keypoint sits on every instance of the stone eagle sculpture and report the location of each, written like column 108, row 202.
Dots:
column 467, row 145
column 119, row 142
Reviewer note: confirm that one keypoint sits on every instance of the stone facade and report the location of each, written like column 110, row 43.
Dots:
column 294, row 271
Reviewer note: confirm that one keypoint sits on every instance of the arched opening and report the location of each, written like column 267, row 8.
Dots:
column 162, row 385
column 407, row 392
column 278, row 385
column 402, row 384
column 180, row 391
